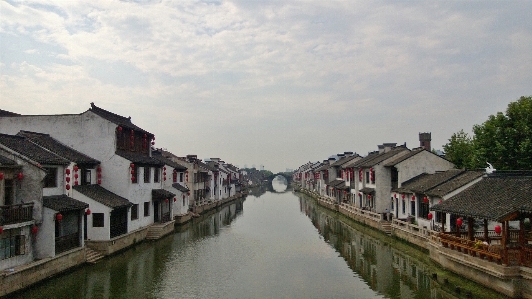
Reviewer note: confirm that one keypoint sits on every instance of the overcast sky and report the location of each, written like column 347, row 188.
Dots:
column 277, row 83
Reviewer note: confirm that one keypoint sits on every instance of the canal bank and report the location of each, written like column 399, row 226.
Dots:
column 512, row 281
column 19, row 278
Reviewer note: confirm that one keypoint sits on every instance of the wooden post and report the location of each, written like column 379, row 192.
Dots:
column 443, row 218
column 503, row 243
column 522, row 241
column 470, row 227
column 486, row 237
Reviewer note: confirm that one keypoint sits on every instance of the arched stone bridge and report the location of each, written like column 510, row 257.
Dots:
column 286, row 175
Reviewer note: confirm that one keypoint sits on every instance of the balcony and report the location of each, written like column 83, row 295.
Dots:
column 16, row 213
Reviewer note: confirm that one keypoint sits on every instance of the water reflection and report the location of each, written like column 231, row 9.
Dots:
column 389, row 271
column 138, row 272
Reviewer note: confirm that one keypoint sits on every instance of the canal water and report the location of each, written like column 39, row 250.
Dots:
column 273, row 244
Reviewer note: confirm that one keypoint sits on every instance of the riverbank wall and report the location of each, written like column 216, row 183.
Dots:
column 512, row 281
column 26, row 275
column 19, row 278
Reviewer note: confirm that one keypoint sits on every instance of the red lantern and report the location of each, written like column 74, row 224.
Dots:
column 132, row 132
column 183, row 196
column 76, row 168
column 75, row 183
column 132, row 165
column 395, row 196
column 440, row 201
column 145, row 136
column 68, row 179
column 429, row 216
column 132, row 171
column 20, row 176
column 402, row 196
column 369, row 196
column 119, row 129
column 67, row 171
column 425, row 199
column 498, row 229
column 459, row 222
column 1, row 176
column 164, row 168
column 132, row 178
column 88, row 212
column 1, row 229
column 153, row 143
column 359, row 194
column 34, row 229
column 99, row 175
column 99, row 182
column 131, row 138
column 413, row 197
column 99, row 169
column 132, row 144
column 175, row 199
column 76, row 176
column 59, row 217
column 188, row 193
column 166, row 200
column 67, row 186
column 164, row 178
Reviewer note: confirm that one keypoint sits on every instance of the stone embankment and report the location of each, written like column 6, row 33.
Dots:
column 512, row 281
column 18, row 278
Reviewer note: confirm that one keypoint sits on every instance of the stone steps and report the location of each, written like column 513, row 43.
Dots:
column 92, row 257
column 386, row 227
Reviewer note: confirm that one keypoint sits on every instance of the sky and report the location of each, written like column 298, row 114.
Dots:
column 273, row 83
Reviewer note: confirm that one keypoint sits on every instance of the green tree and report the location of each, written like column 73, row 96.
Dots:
column 504, row 140
column 459, row 150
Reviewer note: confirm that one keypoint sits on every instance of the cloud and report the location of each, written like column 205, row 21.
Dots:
column 324, row 76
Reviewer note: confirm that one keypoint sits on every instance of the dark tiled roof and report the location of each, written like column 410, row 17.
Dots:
column 6, row 162
column 344, row 160
column 138, row 159
column 63, row 203
column 367, row 158
column 425, row 182
column 103, row 196
column 158, row 156
column 26, row 148
column 4, row 113
column 180, row 187
column 383, row 156
column 367, row 190
column 117, row 119
column 161, row 194
column 456, row 182
column 53, row 145
column 493, row 198
column 338, row 184
column 400, row 159
column 324, row 166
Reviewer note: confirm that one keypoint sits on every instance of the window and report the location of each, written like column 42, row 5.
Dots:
column 156, row 175
column 367, row 177
column 413, row 208
column 135, row 212
column 183, row 202
column 86, row 177
column 146, row 174
column 393, row 201
column 174, row 176
column 147, row 209
column 135, row 175
column 404, row 206
column 12, row 244
column 50, row 180
column 181, row 177
column 423, row 209
column 97, row 220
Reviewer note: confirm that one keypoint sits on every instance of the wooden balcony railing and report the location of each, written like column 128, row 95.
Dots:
column 67, row 242
column 16, row 213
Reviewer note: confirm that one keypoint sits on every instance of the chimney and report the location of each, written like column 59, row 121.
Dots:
column 424, row 140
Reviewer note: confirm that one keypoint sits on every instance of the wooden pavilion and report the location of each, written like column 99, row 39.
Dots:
column 491, row 218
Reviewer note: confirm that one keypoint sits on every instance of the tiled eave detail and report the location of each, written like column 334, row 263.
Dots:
column 63, row 203
column 103, row 196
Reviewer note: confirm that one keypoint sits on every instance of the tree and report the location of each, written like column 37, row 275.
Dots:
column 459, row 150
column 504, row 140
